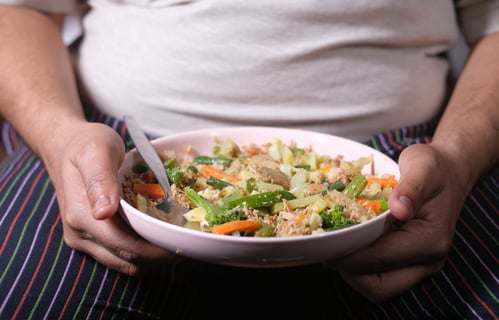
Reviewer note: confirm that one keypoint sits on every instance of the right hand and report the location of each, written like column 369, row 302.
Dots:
column 428, row 200
column 84, row 169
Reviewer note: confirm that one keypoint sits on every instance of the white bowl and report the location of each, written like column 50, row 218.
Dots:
column 259, row 252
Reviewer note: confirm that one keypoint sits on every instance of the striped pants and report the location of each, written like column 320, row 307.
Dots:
column 42, row 278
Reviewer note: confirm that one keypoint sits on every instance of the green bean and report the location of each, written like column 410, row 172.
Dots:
column 217, row 183
column 234, row 196
column 265, row 231
column 251, row 185
column 337, row 185
column 303, row 166
column 192, row 169
column 356, row 186
column 214, row 214
column 212, row 160
column 264, row 199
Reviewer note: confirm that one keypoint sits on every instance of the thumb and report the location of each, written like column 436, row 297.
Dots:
column 415, row 164
column 99, row 172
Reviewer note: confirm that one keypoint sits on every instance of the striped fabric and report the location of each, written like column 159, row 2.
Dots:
column 41, row 278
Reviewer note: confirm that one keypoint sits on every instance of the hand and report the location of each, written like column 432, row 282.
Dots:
column 84, row 172
column 427, row 201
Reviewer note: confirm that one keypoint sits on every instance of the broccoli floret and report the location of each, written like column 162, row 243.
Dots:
column 334, row 219
column 226, row 216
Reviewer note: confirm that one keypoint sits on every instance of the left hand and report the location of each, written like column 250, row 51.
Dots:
column 427, row 201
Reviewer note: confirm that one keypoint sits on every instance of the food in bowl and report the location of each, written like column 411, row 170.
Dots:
column 252, row 251
column 269, row 189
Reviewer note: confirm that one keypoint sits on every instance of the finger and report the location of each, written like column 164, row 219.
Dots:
column 413, row 190
column 121, row 264
column 401, row 247
column 379, row 287
column 101, row 179
column 133, row 247
column 112, row 233
column 120, row 240
column 114, row 244
column 112, row 261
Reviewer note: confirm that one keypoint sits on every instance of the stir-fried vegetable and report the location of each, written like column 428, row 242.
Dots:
column 236, row 226
column 257, row 200
column 152, row 190
column 334, row 218
column 271, row 190
column 212, row 160
column 214, row 214
column 208, row 171
column 356, row 186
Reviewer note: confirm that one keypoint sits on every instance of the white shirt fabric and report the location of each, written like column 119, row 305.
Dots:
column 350, row 68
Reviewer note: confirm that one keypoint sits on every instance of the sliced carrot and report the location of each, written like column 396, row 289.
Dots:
column 325, row 169
column 208, row 171
column 300, row 218
column 253, row 150
column 370, row 204
column 383, row 182
column 236, row 225
column 153, row 190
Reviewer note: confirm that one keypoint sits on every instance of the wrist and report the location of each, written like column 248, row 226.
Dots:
column 468, row 156
column 56, row 141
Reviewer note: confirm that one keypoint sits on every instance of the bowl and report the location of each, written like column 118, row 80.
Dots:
column 258, row 252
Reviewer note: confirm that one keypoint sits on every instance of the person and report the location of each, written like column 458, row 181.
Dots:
column 373, row 71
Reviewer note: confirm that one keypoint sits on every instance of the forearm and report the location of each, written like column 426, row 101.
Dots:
column 38, row 94
column 469, row 128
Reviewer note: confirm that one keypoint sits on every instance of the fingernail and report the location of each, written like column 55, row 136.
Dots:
column 101, row 202
column 407, row 202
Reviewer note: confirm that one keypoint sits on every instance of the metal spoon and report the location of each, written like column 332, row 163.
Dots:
column 167, row 209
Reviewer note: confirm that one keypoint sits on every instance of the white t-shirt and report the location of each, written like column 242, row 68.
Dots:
column 350, row 68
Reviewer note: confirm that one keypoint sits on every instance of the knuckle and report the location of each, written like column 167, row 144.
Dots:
column 440, row 248
column 129, row 269
column 70, row 241
column 127, row 255
column 74, row 239
column 71, row 221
